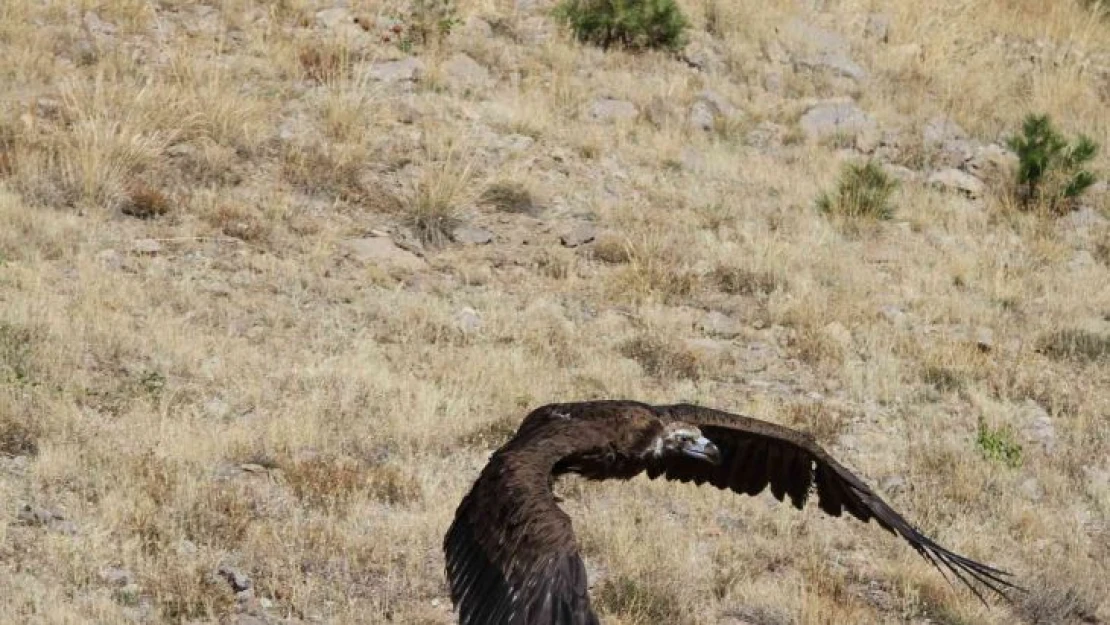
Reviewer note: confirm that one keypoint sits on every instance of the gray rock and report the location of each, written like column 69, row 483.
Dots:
column 719, row 325
column 984, row 339
column 829, row 119
column 216, row 408
column 472, row 235
column 97, row 26
column 948, row 141
column 145, row 247
column 1032, row 490
column 461, row 73
column 766, row 135
column 334, row 17
column 940, row 129
column 893, row 484
column 477, row 27
column 468, row 320
column 701, row 53
column 992, row 163
column 1082, row 259
column 877, row 27
column 381, row 251
column 838, row 63
column 830, row 51
column 1084, row 218
column 238, row 581
column 1037, row 425
column 45, row 517
column 838, row 334
column 706, row 349
column 579, row 235
column 954, row 180
column 611, row 110
column 116, row 576
column 406, row 69
column 893, row 314
column 701, row 116
column 710, row 106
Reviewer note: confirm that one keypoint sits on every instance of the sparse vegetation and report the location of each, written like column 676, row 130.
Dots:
column 223, row 343
column 1051, row 172
column 863, row 191
column 998, row 445
column 632, row 24
column 1077, row 345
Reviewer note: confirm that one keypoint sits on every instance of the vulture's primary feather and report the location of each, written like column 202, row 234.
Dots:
column 511, row 554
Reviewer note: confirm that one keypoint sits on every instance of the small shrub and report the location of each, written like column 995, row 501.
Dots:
column 1076, row 345
column 741, row 281
column 640, row 602
column 145, row 202
column 998, row 445
column 633, row 24
column 661, row 359
column 510, row 197
column 864, row 190
column 1051, row 173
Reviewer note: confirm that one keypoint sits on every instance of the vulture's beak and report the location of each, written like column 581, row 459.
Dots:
column 702, row 448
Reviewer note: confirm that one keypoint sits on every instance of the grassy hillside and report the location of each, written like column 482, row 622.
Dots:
column 277, row 277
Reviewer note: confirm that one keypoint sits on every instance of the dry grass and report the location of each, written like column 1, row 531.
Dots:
column 194, row 373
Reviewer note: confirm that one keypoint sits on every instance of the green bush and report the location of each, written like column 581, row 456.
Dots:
column 998, row 445
column 864, row 190
column 1051, row 173
column 634, row 24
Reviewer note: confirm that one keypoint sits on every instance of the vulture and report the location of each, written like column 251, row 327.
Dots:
column 510, row 553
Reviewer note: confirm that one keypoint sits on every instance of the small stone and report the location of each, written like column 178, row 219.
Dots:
column 877, row 27
column 837, row 333
column 834, row 118
column 1082, row 259
column 382, row 251
column 238, row 581
column 462, row 73
column 611, row 110
column 98, row 26
column 216, row 408
column 1038, row 426
column 893, row 484
column 706, row 349
column 407, row 69
column 892, row 314
column 468, row 320
column 146, row 247
column 472, row 235
column 334, row 17
column 717, row 324
column 701, row 116
column 116, row 576
column 109, row 258
column 954, row 180
column 992, row 163
column 984, row 339
column 1032, row 490
column 580, row 235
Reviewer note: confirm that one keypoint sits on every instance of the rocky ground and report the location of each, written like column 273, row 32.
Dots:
column 278, row 276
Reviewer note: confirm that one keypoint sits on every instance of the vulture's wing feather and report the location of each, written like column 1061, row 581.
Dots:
column 755, row 454
column 511, row 554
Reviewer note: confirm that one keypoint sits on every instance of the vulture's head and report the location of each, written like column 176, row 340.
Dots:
column 682, row 439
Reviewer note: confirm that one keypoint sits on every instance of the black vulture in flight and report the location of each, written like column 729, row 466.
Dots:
column 511, row 555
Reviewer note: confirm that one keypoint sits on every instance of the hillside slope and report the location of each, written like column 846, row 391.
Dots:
column 277, row 277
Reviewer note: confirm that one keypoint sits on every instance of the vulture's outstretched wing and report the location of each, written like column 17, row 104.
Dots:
column 511, row 554
column 755, row 454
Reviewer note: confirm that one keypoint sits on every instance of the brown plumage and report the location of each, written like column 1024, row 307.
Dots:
column 511, row 554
